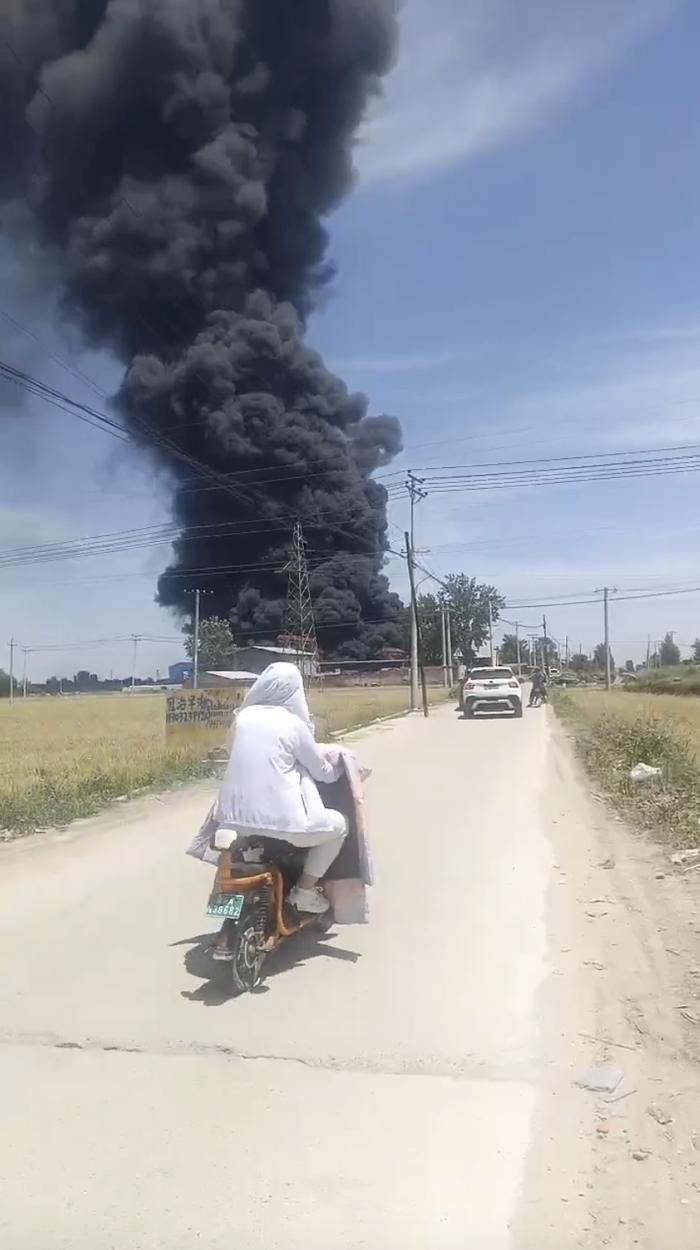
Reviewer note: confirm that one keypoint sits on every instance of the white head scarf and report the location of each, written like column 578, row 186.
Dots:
column 280, row 685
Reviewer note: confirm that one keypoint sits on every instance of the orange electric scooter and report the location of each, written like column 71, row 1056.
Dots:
column 251, row 888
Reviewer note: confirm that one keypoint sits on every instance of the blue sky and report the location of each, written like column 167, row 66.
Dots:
column 517, row 276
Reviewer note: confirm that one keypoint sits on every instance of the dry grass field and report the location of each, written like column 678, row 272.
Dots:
column 617, row 729
column 682, row 711
column 66, row 757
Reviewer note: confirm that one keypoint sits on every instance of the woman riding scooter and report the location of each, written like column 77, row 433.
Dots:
column 269, row 785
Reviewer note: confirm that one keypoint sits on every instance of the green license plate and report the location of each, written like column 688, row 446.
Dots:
column 227, row 906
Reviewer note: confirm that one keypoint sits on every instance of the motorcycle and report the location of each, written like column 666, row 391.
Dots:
column 254, row 877
column 538, row 698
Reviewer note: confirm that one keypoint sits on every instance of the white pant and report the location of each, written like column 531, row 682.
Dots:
column 324, row 844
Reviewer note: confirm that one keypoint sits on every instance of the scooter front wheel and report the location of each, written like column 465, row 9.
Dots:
column 247, row 962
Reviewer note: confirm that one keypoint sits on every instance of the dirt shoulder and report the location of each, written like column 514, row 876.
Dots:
column 624, row 930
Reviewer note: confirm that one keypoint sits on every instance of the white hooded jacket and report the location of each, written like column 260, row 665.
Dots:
column 269, row 782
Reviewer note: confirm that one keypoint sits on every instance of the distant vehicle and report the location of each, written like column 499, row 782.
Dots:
column 492, row 690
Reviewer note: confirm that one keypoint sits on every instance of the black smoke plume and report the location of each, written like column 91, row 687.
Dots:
column 179, row 157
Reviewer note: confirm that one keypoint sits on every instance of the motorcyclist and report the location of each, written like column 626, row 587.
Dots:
column 269, row 785
column 538, row 688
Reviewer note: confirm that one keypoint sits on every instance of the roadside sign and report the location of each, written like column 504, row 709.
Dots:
column 191, row 713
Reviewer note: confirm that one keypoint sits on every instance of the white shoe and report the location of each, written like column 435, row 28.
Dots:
column 310, row 901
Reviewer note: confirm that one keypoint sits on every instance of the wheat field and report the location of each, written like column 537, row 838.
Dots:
column 61, row 758
column 682, row 711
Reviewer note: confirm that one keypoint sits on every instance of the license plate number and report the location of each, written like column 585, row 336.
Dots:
column 226, row 906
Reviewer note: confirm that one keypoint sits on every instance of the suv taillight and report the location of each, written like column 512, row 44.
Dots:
column 469, row 685
column 514, row 685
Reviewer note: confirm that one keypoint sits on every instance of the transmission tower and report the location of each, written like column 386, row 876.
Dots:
column 301, row 627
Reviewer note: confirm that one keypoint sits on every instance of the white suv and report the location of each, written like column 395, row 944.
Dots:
column 492, row 690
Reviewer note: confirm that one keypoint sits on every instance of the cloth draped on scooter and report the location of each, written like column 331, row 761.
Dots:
column 352, row 872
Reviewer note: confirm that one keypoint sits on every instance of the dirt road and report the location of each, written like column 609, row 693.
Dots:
column 404, row 1085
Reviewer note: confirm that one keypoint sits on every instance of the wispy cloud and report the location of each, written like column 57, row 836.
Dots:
column 476, row 73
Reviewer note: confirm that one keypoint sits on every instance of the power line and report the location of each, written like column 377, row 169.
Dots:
column 591, row 455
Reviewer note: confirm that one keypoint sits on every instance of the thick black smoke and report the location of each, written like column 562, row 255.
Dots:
column 179, row 156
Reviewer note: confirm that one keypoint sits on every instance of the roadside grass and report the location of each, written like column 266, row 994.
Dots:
column 616, row 730
column 680, row 679
column 64, row 758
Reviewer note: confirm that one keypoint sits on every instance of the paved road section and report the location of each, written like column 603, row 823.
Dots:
column 390, row 1087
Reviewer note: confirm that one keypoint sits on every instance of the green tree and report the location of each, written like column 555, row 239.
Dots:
column 508, row 650
column 468, row 602
column 580, row 663
column 599, row 658
column 216, row 642
column 696, row 651
column 5, row 685
column 429, row 615
column 670, row 654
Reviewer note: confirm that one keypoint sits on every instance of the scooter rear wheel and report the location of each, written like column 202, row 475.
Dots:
column 247, row 963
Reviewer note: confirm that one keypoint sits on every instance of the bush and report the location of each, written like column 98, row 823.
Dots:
column 675, row 680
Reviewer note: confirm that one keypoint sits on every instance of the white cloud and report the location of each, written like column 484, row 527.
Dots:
column 473, row 74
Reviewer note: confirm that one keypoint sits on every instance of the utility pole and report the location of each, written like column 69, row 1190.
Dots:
column 135, row 639
column 545, row 666
column 491, row 632
column 13, row 644
column 443, row 621
column 415, row 495
column 450, row 662
column 606, row 592
column 566, row 652
column 414, row 604
column 648, row 651
column 24, row 672
column 517, row 648
column 195, row 641
column 196, row 622
column 606, row 619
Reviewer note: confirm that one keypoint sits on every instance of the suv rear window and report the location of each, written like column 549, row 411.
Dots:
column 491, row 674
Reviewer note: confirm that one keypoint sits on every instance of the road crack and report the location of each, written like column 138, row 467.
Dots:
column 468, row 1070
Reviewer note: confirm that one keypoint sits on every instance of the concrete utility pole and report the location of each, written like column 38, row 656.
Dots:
column 415, row 495
column 566, row 652
column 443, row 621
column 648, row 651
column 450, row 662
column 195, row 657
column 491, row 632
column 24, row 672
column 414, row 605
column 135, row 639
column 195, row 631
column 606, row 592
column 13, row 644
column 545, row 666
column 517, row 648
